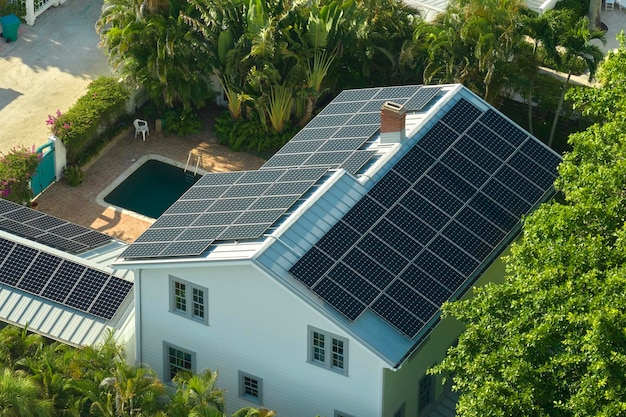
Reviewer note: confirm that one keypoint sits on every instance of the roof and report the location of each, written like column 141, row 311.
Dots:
column 55, row 277
column 374, row 235
column 430, row 9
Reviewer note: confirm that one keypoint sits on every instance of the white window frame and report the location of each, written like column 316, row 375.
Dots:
column 243, row 388
column 167, row 365
column 327, row 350
column 187, row 305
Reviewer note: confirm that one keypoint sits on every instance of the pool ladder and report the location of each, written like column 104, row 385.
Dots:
column 191, row 176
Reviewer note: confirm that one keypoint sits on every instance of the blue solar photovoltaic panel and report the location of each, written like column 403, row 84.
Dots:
column 49, row 230
column 249, row 203
column 60, row 280
column 430, row 224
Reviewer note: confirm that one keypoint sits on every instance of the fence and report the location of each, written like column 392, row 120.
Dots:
column 34, row 8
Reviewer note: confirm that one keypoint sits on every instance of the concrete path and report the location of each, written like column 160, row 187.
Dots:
column 46, row 69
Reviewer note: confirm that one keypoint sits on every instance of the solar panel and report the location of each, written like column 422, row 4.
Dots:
column 49, row 230
column 39, row 273
column 329, row 121
column 365, row 119
column 430, row 224
column 437, row 140
column 507, row 130
column 302, row 146
column 60, row 280
column 421, row 98
column 342, row 108
column 347, row 144
column 111, row 297
column 461, row 116
column 281, row 160
column 357, row 161
column 64, row 280
column 391, row 93
column 308, row 134
column 356, row 95
column 342, row 300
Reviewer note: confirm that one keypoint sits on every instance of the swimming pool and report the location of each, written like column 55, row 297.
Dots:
column 151, row 188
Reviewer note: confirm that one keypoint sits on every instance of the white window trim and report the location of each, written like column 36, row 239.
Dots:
column 242, row 389
column 328, row 353
column 166, row 359
column 189, row 288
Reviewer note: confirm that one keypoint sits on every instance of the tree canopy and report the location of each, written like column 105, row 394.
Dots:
column 551, row 340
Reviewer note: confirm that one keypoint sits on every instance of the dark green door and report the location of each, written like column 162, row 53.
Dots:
column 45, row 174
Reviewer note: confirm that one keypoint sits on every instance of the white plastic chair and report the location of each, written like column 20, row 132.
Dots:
column 609, row 5
column 141, row 126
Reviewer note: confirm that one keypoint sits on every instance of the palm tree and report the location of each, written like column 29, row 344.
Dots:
column 16, row 343
column 21, row 397
column 197, row 395
column 131, row 391
column 576, row 42
column 151, row 44
column 542, row 29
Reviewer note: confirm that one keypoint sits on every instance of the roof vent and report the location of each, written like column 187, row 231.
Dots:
column 392, row 122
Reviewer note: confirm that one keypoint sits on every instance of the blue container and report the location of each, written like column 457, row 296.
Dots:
column 10, row 24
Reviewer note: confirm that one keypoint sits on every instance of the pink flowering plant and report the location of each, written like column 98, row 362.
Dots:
column 58, row 126
column 17, row 167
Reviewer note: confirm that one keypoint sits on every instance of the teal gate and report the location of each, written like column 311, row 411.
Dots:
column 45, row 174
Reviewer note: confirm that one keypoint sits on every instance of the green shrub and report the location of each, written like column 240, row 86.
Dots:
column 249, row 134
column 92, row 114
column 182, row 122
column 16, row 169
column 579, row 7
column 73, row 175
column 17, row 8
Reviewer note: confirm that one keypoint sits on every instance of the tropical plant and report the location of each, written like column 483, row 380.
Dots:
column 196, row 394
column 474, row 43
column 20, row 396
column 576, row 41
column 17, row 167
column 151, row 45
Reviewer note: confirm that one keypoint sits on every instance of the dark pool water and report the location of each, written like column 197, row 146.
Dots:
column 151, row 189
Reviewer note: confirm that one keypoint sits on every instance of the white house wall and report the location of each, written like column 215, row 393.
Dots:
column 259, row 327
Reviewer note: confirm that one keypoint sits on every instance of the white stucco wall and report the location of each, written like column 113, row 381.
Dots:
column 258, row 327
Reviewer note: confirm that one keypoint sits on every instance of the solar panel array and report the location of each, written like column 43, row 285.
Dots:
column 224, row 206
column 60, row 280
column 334, row 138
column 432, row 221
column 49, row 230
column 244, row 205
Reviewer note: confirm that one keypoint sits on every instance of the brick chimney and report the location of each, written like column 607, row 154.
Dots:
column 392, row 122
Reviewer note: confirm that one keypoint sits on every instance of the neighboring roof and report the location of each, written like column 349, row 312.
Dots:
column 378, row 245
column 429, row 9
column 68, row 293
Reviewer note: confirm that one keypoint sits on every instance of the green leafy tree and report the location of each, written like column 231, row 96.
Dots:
column 551, row 340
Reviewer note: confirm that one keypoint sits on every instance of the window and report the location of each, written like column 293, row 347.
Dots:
column 328, row 350
column 250, row 387
column 189, row 300
column 177, row 360
column 425, row 392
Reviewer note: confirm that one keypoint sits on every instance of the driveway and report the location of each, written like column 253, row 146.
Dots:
column 46, row 69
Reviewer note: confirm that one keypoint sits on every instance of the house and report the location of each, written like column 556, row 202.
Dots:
column 56, row 279
column 430, row 9
column 314, row 284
